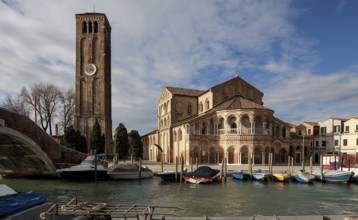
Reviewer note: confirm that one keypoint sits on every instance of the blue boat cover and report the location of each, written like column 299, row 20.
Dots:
column 203, row 172
column 21, row 201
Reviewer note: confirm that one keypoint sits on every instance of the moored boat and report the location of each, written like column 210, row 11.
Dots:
column 260, row 176
column 203, row 174
column 354, row 178
column 170, row 175
column 20, row 205
column 129, row 171
column 335, row 176
column 303, row 177
column 92, row 168
column 240, row 175
column 281, row 177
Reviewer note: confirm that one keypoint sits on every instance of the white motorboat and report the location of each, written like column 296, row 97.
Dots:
column 92, row 168
column 129, row 171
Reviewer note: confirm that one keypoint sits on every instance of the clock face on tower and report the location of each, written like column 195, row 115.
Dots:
column 90, row 69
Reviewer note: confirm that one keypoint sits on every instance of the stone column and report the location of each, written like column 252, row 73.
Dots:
column 264, row 128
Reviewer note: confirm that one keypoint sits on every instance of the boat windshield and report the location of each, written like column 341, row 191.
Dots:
column 88, row 160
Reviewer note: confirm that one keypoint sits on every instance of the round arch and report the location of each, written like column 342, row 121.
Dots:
column 231, row 155
column 257, row 155
column 245, row 124
column 204, row 151
column 244, row 152
column 283, row 155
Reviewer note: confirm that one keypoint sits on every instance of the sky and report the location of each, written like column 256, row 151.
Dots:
column 303, row 55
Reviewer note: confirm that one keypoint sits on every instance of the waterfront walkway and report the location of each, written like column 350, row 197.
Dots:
column 156, row 167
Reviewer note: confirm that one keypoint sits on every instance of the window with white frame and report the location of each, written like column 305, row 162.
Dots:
column 346, row 129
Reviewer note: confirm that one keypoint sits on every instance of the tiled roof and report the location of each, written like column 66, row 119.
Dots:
column 234, row 79
column 242, row 103
column 236, row 102
column 184, row 92
column 291, row 125
column 311, row 123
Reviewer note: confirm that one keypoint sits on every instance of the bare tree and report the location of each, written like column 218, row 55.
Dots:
column 16, row 104
column 68, row 108
column 46, row 98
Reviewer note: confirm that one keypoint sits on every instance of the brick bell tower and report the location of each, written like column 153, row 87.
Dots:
column 93, row 75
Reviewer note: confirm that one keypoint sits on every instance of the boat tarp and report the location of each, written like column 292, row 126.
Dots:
column 21, row 201
column 203, row 172
column 5, row 190
column 126, row 167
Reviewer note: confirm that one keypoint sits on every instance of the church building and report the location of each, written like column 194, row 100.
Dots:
column 228, row 120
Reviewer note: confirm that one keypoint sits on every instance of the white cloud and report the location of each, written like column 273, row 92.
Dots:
column 192, row 44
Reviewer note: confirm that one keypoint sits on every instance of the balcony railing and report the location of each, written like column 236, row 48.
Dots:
column 243, row 131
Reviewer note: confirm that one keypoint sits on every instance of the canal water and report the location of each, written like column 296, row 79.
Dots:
column 233, row 198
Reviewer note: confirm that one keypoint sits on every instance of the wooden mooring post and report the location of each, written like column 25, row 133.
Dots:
column 292, row 165
column 197, row 163
column 222, row 169
column 225, row 175
column 250, row 166
column 191, row 164
column 161, row 163
column 321, row 167
column 181, row 168
column 176, row 169
column 140, row 169
column 270, row 166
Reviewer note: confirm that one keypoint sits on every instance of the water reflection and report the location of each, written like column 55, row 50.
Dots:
column 234, row 198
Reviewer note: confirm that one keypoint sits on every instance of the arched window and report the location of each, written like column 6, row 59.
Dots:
column 221, row 123
column 201, row 107
column 95, row 27
column 284, row 132
column 189, row 109
column 207, row 104
column 180, row 135
column 90, row 27
column 84, row 27
column 165, row 108
column 175, row 136
column 203, row 128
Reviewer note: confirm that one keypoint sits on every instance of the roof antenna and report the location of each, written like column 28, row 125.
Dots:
column 94, row 8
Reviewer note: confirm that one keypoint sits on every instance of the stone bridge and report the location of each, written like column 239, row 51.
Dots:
column 26, row 150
